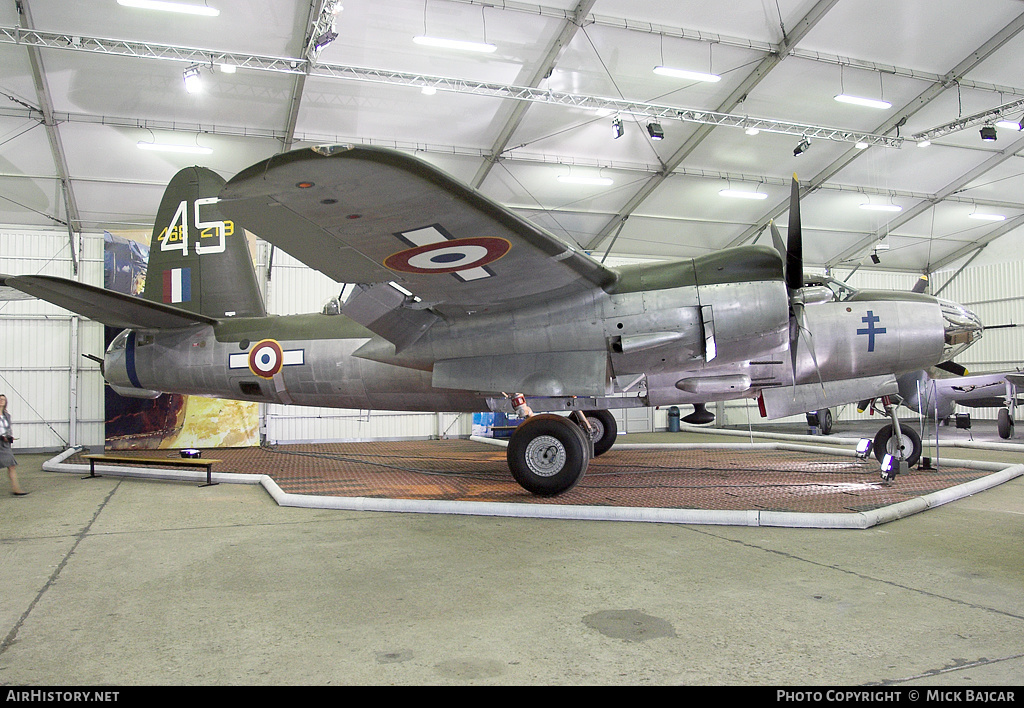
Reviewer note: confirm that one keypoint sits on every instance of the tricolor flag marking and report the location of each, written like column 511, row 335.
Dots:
column 177, row 285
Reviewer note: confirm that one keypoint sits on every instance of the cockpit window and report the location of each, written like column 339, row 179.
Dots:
column 840, row 291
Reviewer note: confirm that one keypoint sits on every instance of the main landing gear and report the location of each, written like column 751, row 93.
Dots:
column 548, row 454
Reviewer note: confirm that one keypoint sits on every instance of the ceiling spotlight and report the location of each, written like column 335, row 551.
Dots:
column 802, row 147
column 193, row 84
column 988, row 133
column 655, row 131
column 751, row 131
column 325, row 38
column 1008, row 124
column 617, row 129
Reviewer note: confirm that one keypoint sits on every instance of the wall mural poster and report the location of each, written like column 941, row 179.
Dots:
column 170, row 421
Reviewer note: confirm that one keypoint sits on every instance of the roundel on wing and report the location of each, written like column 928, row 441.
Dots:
column 449, row 256
column 266, row 358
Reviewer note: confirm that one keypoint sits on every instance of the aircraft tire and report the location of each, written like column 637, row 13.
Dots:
column 548, row 454
column 603, row 429
column 886, row 444
column 1004, row 424
column 822, row 419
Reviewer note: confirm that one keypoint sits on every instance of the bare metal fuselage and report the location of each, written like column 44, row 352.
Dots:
column 684, row 332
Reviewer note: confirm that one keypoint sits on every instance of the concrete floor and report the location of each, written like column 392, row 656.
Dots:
column 133, row 582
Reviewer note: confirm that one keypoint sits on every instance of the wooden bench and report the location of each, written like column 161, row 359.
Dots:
column 155, row 462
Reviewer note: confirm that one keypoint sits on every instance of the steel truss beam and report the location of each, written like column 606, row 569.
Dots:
column 191, row 56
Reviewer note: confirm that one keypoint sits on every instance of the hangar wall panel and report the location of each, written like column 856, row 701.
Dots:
column 55, row 396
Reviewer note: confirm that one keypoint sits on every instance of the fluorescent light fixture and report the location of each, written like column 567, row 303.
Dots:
column 227, row 68
column 861, row 146
column 443, row 43
column 924, row 143
column 171, row 7
column 861, row 101
column 428, row 90
column 751, row 131
column 582, row 179
column 741, row 194
column 987, row 217
column 163, row 147
column 1008, row 124
column 881, row 207
column 684, row 74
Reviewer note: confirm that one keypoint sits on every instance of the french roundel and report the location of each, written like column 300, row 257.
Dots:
column 266, row 358
column 449, row 256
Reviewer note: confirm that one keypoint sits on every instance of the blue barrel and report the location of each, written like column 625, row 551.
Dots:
column 673, row 419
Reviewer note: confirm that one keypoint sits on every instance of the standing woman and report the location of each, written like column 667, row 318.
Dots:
column 6, row 440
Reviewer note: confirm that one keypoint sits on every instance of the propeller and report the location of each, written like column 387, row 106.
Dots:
column 792, row 252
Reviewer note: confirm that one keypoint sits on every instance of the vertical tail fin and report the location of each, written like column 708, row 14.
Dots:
column 199, row 261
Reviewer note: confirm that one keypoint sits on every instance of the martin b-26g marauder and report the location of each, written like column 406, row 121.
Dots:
column 455, row 303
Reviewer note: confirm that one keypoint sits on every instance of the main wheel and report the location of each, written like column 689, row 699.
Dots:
column 907, row 447
column 603, row 430
column 1004, row 424
column 548, row 454
column 822, row 420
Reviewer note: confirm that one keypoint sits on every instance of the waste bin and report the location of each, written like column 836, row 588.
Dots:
column 673, row 419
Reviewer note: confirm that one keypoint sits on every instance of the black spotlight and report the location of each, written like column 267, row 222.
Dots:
column 617, row 128
column 655, row 131
column 802, row 147
column 875, row 259
column 988, row 133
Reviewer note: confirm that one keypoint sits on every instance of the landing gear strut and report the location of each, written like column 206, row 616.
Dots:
column 902, row 442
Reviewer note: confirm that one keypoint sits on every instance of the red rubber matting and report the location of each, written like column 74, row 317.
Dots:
column 706, row 479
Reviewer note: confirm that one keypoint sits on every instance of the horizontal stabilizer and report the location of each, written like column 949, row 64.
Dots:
column 106, row 306
column 534, row 374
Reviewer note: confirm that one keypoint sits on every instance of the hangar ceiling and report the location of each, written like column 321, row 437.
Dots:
column 84, row 84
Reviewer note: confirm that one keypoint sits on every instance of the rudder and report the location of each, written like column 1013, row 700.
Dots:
column 198, row 260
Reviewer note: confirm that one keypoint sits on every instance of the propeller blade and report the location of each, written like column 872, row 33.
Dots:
column 921, row 285
column 780, row 245
column 795, row 245
column 952, row 367
column 864, row 405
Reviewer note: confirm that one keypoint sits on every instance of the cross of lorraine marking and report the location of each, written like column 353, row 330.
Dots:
column 871, row 320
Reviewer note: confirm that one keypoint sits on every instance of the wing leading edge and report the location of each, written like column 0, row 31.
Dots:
column 369, row 215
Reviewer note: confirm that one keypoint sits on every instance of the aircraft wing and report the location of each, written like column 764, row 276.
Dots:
column 106, row 306
column 370, row 215
column 977, row 390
